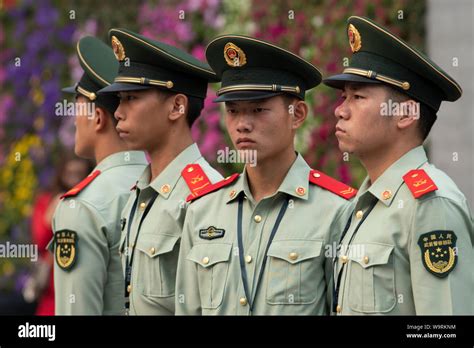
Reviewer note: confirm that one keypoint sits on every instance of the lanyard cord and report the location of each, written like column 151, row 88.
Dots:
column 339, row 276
column 128, row 264
column 243, row 271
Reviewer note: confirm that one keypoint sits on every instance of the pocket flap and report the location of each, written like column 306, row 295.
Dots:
column 156, row 244
column 207, row 255
column 294, row 251
column 371, row 254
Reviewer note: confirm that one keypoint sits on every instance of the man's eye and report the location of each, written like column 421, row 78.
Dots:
column 358, row 96
column 258, row 110
column 231, row 111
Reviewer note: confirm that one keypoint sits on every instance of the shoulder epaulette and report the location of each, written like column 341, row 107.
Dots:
column 419, row 182
column 79, row 187
column 195, row 178
column 319, row 178
column 213, row 187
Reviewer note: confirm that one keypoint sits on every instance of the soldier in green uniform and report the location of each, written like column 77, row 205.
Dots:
column 87, row 273
column 162, row 91
column 408, row 246
column 256, row 243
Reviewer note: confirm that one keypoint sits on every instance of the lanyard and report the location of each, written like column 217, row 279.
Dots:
column 339, row 275
column 243, row 271
column 128, row 264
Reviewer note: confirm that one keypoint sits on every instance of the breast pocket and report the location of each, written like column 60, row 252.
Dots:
column 157, row 263
column 372, row 279
column 295, row 271
column 212, row 261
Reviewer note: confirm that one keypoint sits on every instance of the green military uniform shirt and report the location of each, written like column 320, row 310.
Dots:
column 155, row 250
column 87, row 274
column 409, row 255
column 294, row 278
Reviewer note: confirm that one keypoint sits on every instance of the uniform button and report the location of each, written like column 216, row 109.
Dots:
column 293, row 256
column 243, row 301
column 257, row 218
column 366, row 259
column 129, row 288
column 205, row 260
column 359, row 214
column 344, row 258
column 152, row 251
column 248, row 258
column 190, row 169
column 316, row 175
column 338, row 309
column 142, row 205
column 232, row 194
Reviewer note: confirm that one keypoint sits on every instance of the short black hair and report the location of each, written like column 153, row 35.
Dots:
column 427, row 115
column 195, row 105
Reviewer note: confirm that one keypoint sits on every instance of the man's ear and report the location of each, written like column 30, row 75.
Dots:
column 179, row 106
column 101, row 119
column 409, row 113
column 298, row 109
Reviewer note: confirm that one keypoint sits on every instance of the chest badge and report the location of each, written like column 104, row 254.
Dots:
column 211, row 233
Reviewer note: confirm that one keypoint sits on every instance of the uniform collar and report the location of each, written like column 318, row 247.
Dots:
column 166, row 181
column 387, row 185
column 295, row 183
column 122, row 158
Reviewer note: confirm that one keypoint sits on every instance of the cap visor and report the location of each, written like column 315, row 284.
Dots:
column 122, row 87
column 246, row 95
column 71, row 89
column 339, row 81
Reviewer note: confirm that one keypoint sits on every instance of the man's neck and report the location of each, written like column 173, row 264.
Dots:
column 266, row 177
column 107, row 145
column 377, row 162
column 161, row 157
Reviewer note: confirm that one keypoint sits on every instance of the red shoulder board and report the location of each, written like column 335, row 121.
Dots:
column 318, row 178
column 419, row 182
column 79, row 187
column 213, row 187
column 195, row 177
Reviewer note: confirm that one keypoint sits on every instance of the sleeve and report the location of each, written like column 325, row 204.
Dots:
column 188, row 300
column 442, row 258
column 79, row 289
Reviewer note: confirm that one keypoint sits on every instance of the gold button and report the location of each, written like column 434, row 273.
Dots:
column 152, row 251
column 243, row 301
column 142, row 205
column 257, row 218
column 293, row 256
column 190, row 169
column 248, row 258
column 232, row 194
column 359, row 214
column 205, row 260
column 338, row 309
column 344, row 258
column 366, row 259
column 165, row 188
column 129, row 288
column 300, row 191
column 316, row 175
column 387, row 194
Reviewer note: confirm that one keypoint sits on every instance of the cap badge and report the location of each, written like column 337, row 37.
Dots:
column 118, row 49
column 234, row 56
column 354, row 38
